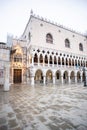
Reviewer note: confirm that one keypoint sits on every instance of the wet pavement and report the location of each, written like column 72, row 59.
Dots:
column 40, row 107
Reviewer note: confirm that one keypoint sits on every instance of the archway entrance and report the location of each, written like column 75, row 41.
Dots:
column 39, row 76
column 72, row 77
column 78, row 77
column 58, row 79
column 65, row 77
column 83, row 77
column 17, row 77
column 49, row 76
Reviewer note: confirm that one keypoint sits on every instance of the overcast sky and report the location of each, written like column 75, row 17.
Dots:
column 14, row 14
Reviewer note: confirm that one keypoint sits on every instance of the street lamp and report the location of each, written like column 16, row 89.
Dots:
column 85, row 80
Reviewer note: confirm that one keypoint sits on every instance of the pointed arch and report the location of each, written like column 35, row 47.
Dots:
column 78, row 77
column 66, row 61
column 83, row 76
column 78, row 63
column 65, row 76
column 81, row 63
column 69, row 62
column 50, row 59
column 58, row 76
column 49, row 76
column 41, row 58
column 35, row 58
column 38, row 76
column 72, row 62
column 75, row 62
column 72, row 76
column 59, row 61
column 55, row 61
column 62, row 60
column 46, row 59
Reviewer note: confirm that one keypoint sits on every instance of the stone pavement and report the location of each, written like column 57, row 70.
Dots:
column 44, row 107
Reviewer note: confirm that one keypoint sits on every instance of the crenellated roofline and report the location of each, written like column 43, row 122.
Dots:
column 53, row 23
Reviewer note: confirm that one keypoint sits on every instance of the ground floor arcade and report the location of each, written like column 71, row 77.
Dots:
column 47, row 75
column 56, row 76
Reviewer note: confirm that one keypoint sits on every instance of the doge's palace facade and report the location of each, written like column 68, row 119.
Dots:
column 48, row 53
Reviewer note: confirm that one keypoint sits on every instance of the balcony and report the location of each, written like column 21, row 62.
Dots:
column 55, row 66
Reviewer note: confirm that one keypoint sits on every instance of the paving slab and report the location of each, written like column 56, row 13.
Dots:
column 44, row 107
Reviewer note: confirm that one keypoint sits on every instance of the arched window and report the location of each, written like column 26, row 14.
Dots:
column 41, row 58
column 69, row 62
column 35, row 58
column 72, row 62
column 67, row 43
column 18, row 58
column 59, row 61
column 62, row 61
column 55, row 61
column 80, row 47
column 66, row 61
column 50, row 60
column 49, row 38
column 46, row 59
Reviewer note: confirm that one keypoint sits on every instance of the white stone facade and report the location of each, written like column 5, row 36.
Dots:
column 4, row 66
column 48, row 53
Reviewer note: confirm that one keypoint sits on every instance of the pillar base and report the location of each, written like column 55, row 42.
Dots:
column 32, row 81
column 6, row 85
column 6, row 88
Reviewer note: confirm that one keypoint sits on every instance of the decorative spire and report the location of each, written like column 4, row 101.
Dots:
column 31, row 12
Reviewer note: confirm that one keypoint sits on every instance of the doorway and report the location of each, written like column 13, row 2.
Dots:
column 17, row 76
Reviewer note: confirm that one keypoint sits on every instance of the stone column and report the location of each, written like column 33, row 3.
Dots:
column 75, row 77
column 57, row 61
column 48, row 60
column 53, row 79
column 71, row 62
column 80, row 62
column 38, row 61
column 81, row 77
column 32, row 60
column 44, row 79
column 32, row 80
column 6, row 79
column 62, row 79
column 61, row 61
column 65, row 62
column 32, row 75
column 53, row 61
column 43, row 61
column 68, row 61
column 74, row 64
column 12, row 75
column 69, row 80
column 85, row 63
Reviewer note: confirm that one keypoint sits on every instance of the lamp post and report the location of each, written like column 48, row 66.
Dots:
column 85, row 76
